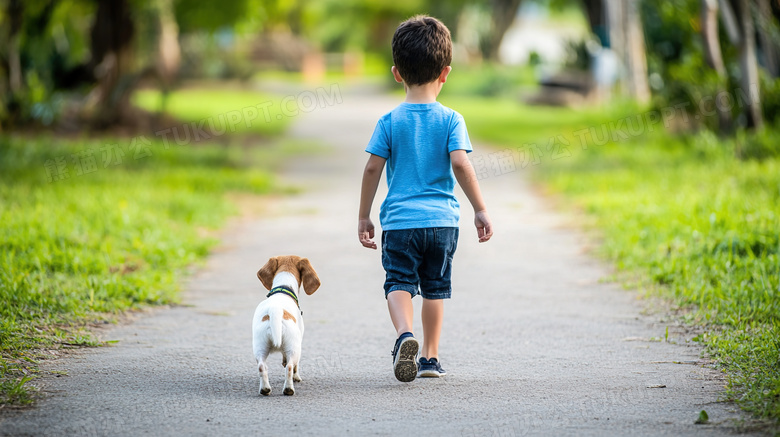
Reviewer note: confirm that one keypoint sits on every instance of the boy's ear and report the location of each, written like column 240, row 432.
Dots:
column 396, row 74
column 445, row 73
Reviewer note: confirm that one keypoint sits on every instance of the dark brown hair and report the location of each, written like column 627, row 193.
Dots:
column 422, row 48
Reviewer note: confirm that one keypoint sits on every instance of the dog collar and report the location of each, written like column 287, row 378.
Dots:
column 285, row 290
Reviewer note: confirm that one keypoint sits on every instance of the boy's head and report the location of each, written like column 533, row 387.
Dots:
column 422, row 48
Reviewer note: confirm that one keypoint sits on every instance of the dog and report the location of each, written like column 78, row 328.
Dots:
column 278, row 322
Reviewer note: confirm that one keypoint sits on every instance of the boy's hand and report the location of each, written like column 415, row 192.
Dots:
column 484, row 226
column 366, row 233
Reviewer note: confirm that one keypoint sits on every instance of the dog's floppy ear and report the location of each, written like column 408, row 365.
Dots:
column 309, row 278
column 267, row 272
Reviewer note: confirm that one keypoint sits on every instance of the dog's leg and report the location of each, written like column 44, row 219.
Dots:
column 265, row 386
column 296, row 373
column 292, row 362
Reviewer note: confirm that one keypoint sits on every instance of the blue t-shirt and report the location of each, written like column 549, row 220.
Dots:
column 416, row 139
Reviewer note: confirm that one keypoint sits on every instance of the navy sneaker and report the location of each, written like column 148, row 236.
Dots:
column 430, row 368
column 405, row 356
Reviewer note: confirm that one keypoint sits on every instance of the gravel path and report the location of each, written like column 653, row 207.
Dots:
column 533, row 342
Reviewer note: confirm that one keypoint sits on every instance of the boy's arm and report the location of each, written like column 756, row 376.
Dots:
column 371, row 175
column 467, row 178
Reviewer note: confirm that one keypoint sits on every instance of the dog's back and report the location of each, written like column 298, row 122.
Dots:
column 275, row 315
column 268, row 327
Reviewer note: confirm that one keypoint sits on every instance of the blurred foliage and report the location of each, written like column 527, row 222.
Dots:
column 220, row 106
column 579, row 58
column 214, row 56
column 218, row 40
column 770, row 96
column 489, row 80
column 758, row 146
column 193, row 15
column 675, row 53
column 359, row 24
column 52, row 40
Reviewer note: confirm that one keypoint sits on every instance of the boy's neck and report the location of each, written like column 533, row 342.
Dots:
column 425, row 93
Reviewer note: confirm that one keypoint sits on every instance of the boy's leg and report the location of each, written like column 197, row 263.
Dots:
column 435, row 277
column 399, row 303
column 432, row 316
column 400, row 258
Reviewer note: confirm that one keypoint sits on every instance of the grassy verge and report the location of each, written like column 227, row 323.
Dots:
column 118, row 236
column 698, row 225
column 223, row 108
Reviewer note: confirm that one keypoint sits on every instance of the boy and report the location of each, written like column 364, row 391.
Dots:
column 424, row 145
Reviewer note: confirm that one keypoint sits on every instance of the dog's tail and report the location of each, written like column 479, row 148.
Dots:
column 275, row 316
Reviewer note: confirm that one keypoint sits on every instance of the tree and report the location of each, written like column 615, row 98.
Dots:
column 768, row 34
column 168, row 50
column 112, row 57
column 502, row 15
column 14, row 10
column 597, row 19
column 633, row 51
column 618, row 25
column 21, row 23
column 748, row 64
column 714, row 56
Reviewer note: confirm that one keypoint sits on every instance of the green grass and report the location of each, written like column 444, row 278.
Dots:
column 488, row 80
column 237, row 109
column 697, row 225
column 511, row 124
column 77, row 250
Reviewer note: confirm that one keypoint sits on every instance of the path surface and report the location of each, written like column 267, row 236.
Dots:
column 534, row 344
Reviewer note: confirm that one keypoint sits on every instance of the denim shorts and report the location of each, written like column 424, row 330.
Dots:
column 419, row 259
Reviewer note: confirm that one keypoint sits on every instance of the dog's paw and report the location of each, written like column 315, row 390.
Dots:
column 289, row 391
column 265, row 391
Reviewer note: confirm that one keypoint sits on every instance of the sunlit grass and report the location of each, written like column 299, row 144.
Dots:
column 701, row 226
column 510, row 123
column 234, row 109
column 488, row 80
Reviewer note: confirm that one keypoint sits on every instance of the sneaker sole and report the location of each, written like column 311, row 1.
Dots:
column 405, row 366
column 430, row 374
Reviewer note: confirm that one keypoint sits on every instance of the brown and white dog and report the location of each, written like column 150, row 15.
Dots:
column 278, row 323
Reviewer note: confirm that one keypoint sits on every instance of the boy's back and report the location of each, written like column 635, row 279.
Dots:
column 424, row 146
column 417, row 139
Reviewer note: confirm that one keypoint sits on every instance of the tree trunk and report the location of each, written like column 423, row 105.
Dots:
column 594, row 11
column 112, row 35
column 627, row 40
column 712, row 52
column 635, row 52
column 709, row 33
column 748, row 64
column 729, row 21
column 168, row 50
column 168, row 56
column 15, row 11
column 503, row 13
column 769, row 46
